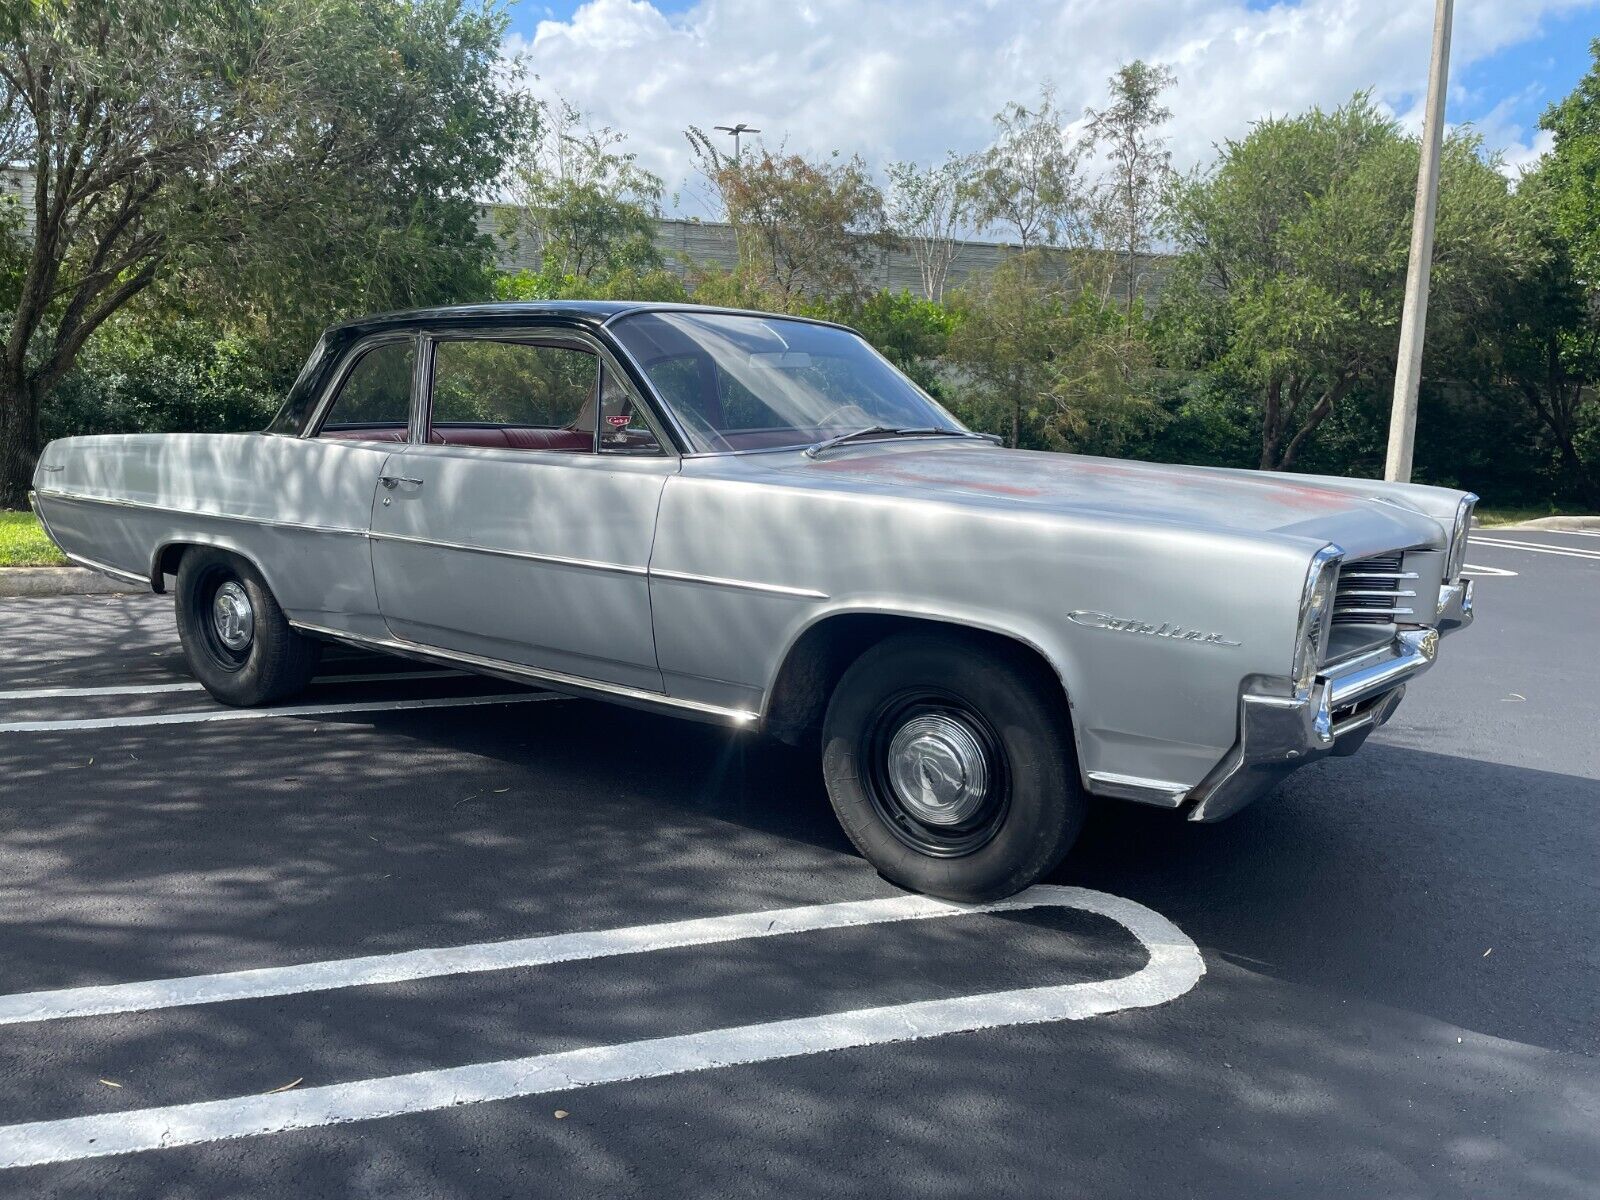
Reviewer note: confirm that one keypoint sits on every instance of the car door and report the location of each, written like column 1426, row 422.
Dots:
column 520, row 530
column 322, row 484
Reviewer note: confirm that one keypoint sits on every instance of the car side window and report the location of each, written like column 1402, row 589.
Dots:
column 529, row 395
column 519, row 384
column 375, row 398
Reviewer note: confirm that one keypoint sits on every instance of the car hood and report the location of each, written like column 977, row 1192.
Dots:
column 1363, row 516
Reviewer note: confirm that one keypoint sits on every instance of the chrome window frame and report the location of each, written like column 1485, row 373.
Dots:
column 341, row 374
column 551, row 334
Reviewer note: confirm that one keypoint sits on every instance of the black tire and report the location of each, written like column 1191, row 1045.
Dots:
column 954, row 701
column 273, row 662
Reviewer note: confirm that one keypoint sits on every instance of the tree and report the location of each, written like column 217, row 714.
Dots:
column 1294, row 249
column 283, row 158
column 1008, row 327
column 804, row 228
column 1140, row 164
column 1551, row 336
column 927, row 208
column 1027, row 181
column 589, row 206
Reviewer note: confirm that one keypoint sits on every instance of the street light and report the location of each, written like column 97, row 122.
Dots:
column 736, row 130
column 1414, row 316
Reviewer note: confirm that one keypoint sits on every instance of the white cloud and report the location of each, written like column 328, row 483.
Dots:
column 912, row 78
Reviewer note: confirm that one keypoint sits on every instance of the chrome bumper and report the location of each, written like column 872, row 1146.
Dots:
column 1279, row 733
column 1455, row 606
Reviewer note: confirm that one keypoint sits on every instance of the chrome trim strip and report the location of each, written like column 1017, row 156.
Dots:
column 1160, row 792
column 557, row 680
column 1379, row 593
column 1343, row 575
column 776, row 589
column 585, row 564
column 146, row 506
column 108, row 569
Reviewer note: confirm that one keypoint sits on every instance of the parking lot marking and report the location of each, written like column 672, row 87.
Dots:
column 483, row 956
column 1488, row 572
column 152, row 689
column 258, row 714
column 1174, row 967
column 1538, row 548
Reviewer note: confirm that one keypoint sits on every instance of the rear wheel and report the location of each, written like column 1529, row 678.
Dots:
column 949, row 762
column 238, row 643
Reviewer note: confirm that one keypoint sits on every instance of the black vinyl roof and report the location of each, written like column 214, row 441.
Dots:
column 585, row 312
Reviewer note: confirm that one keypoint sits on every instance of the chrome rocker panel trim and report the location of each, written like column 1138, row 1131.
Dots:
column 1163, row 793
column 558, row 681
column 1278, row 734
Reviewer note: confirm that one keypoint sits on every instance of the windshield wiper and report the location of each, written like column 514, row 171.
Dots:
column 841, row 439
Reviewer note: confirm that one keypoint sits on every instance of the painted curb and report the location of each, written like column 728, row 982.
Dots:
column 1570, row 524
column 59, row 581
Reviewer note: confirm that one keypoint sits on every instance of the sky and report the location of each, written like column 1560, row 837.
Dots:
column 910, row 79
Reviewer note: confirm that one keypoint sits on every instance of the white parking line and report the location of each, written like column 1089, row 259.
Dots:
column 1537, row 548
column 152, row 689
column 1173, row 968
column 260, row 714
column 1488, row 572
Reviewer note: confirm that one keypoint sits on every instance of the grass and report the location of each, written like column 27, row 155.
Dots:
column 1489, row 517
column 23, row 542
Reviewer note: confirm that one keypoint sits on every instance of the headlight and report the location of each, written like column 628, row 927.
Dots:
column 1316, row 615
column 1457, row 557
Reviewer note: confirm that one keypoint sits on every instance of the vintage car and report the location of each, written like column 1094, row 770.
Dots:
column 757, row 520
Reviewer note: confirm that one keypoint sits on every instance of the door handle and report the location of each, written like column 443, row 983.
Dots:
column 393, row 481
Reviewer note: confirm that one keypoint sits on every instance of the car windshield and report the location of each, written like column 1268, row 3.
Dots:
column 745, row 382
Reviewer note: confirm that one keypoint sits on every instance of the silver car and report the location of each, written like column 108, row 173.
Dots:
column 756, row 520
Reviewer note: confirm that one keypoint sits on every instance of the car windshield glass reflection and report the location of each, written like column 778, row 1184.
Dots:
column 746, row 382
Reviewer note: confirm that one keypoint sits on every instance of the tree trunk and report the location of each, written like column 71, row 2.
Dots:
column 19, row 443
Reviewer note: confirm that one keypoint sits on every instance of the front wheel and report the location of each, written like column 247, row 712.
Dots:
column 949, row 762
column 236, row 638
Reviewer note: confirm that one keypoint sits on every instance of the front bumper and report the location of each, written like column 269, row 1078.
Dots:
column 1455, row 606
column 1279, row 733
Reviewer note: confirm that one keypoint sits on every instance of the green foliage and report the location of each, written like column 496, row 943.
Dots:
column 804, row 227
column 1573, row 170
column 149, row 372
column 587, row 205
column 274, row 164
column 1294, row 257
column 657, row 284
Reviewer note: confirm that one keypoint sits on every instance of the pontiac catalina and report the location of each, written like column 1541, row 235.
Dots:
column 757, row 520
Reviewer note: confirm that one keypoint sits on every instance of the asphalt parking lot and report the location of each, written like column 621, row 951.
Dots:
column 1401, row 971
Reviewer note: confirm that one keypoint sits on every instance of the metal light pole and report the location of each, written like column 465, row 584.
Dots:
column 1414, row 317
column 736, row 130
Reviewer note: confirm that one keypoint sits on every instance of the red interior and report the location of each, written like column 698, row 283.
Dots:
column 514, row 437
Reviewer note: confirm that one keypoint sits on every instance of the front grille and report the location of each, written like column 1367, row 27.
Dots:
column 1375, row 591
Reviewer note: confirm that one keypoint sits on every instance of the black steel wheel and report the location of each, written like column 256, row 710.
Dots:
column 238, row 643
column 949, row 762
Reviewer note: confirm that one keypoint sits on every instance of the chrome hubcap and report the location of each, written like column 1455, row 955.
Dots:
column 938, row 769
column 232, row 616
